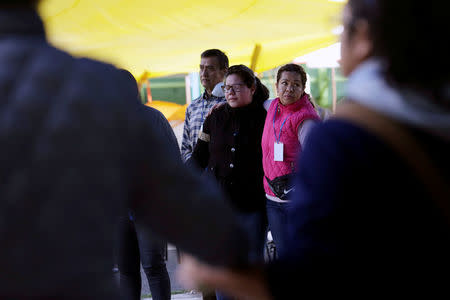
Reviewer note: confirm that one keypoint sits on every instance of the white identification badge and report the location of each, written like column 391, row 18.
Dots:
column 278, row 151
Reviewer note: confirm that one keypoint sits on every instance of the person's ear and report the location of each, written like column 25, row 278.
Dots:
column 222, row 73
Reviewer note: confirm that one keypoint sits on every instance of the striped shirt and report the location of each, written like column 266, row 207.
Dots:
column 195, row 116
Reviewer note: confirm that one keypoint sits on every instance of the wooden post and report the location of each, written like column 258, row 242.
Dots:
column 149, row 91
column 144, row 82
column 187, row 83
column 255, row 57
column 333, row 88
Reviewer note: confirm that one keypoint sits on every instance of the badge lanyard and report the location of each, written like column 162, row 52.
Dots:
column 203, row 108
column 278, row 147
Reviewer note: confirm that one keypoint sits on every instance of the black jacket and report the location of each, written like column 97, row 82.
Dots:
column 233, row 155
column 74, row 149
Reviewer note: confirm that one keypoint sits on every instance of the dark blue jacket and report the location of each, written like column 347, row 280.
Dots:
column 75, row 151
column 157, row 121
column 361, row 222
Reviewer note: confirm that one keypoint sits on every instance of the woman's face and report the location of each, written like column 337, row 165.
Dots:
column 355, row 43
column 347, row 63
column 290, row 87
column 236, row 91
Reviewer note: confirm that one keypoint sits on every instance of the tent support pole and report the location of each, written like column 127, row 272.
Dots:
column 255, row 57
column 333, row 87
column 187, row 81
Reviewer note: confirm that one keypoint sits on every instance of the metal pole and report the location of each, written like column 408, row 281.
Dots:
column 187, row 82
column 333, row 88
column 255, row 57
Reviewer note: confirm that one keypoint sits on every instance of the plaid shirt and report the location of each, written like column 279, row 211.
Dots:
column 195, row 116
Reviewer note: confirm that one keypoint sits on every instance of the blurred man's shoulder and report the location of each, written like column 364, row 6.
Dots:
column 154, row 113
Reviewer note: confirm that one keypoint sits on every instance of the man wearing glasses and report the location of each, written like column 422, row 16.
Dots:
column 213, row 66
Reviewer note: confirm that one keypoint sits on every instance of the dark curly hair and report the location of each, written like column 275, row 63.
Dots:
column 248, row 77
column 409, row 36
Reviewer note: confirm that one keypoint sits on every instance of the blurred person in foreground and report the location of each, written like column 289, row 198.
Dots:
column 76, row 154
column 135, row 244
column 366, row 220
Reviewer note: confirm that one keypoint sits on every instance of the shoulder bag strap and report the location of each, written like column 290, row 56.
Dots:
column 399, row 139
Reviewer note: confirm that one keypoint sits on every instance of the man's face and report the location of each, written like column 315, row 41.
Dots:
column 210, row 73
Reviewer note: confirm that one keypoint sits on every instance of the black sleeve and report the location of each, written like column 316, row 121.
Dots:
column 178, row 205
column 157, row 122
column 200, row 156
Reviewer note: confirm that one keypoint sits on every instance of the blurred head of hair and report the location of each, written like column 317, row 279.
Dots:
column 409, row 36
column 18, row 3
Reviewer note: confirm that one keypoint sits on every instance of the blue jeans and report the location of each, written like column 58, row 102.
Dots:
column 134, row 247
column 277, row 216
column 255, row 224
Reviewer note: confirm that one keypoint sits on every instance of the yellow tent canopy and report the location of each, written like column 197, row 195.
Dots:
column 166, row 37
column 171, row 111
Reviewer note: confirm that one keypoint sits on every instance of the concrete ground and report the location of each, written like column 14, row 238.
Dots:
column 178, row 292
column 184, row 296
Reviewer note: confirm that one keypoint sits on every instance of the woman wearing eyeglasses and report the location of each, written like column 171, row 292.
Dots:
column 371, row 213
column 229, row 148
column 289, row 119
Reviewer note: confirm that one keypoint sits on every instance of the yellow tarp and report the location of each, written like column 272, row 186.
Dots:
column 167, row 36
column 171, row 111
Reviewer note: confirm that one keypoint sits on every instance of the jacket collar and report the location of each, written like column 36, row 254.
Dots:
column 368, row 86
column 207, row 97
column 21, row 21
column 252, row 107
column 293, row 106
column 217, row 93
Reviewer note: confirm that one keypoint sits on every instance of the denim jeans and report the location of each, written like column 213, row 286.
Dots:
column 277, row 217
column 134, row 247
column 255, row 224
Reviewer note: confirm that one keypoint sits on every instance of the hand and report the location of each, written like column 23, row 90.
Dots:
column 216, row 106
column 242, row 284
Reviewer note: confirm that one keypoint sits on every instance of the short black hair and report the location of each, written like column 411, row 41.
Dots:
column 11, row 3
column 409, row 37
column 221, row 57
column 293, row 68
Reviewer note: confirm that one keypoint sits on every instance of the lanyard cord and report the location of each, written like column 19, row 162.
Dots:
column 274, row 132
column 203, row 109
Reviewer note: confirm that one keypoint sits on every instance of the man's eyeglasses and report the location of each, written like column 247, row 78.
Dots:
column 235, row 87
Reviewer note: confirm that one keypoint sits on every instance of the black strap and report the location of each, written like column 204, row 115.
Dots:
column 398, row 137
